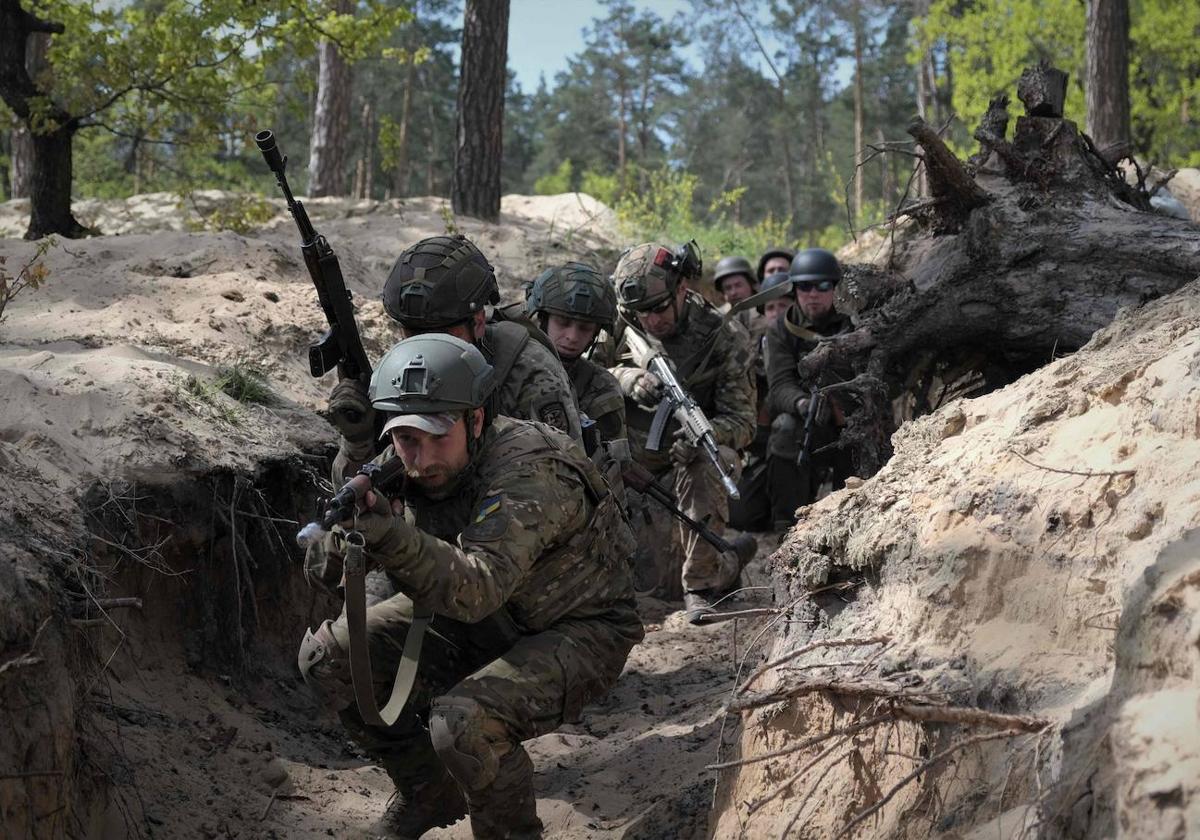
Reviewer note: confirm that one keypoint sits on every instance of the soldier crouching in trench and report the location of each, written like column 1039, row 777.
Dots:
column 510, row 537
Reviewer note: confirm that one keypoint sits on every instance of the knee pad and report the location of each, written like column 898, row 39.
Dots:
column 456, row 728
column 325, row 668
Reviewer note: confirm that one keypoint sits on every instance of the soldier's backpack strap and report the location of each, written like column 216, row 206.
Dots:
column 360, row 654
column 509, row 339
column 514, row 313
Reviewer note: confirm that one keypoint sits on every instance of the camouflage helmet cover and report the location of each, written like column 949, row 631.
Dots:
column 573, row 290
column 439, row 282
column 431, row 373
column 648, row 274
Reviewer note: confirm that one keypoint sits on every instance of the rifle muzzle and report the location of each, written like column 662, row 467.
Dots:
column 270, row 152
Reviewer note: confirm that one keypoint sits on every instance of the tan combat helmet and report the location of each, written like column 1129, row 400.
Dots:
column 649, row 274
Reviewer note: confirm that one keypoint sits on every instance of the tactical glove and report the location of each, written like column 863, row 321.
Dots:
column 388, row 536
column 682, row 450
column 823, row 411
column 647, row 390
column 350, row 411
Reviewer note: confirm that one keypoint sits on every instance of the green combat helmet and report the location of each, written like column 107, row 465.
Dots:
column 574, row 290
column 650, row 273
column 430, row 374
column 439, row 282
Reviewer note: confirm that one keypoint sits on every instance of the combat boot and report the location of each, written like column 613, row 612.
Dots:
column 698, row 605
column 426, row 806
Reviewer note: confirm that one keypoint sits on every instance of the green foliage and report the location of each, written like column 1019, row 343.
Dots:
column 31, row 275
column 241, row 213
column 1164, row 80
column 205, row 396
column 606, row 188
column 245, row 383
column 990, row 42
column 558, row 181
column 662, row 211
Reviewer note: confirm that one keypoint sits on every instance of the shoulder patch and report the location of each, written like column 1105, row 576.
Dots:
column 490, row 522
column 554, row 414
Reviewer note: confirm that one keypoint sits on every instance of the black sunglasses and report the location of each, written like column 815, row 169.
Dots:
column 813, row 285
column 662, row 307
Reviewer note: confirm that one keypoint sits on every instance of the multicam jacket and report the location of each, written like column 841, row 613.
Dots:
column 531, row 383
column 532, row 527
column 599, row 397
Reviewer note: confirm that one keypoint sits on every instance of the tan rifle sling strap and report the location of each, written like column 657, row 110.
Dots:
column 360, row 654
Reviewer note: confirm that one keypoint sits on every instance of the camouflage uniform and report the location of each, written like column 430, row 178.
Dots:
column 434, row 285
column 599, row 396
column 724, row 389
column 524, row 563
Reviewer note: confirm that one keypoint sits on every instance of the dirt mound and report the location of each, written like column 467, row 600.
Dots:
column 1031, row 552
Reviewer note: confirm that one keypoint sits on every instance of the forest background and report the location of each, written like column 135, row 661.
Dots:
column 739, row 123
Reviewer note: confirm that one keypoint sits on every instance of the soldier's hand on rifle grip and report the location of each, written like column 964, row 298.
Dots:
column 647, row 390
column 351, row 412
column 682, row 451
column 823, row 409
column 384, row 531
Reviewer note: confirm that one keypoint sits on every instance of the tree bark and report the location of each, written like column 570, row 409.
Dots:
column 400, row 176
column 331, row 118
column 856, row 12
column 21, row 165
column 1106, row 82
column 479, row 145
column 50, row 175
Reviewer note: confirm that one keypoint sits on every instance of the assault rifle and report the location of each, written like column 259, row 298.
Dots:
column 340, row 346
column 642, row 480
column 810, row 420
column 340, row 509
column 678, row 403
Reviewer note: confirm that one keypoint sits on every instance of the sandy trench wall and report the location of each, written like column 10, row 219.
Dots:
column 1031, row 551
column 123, row 475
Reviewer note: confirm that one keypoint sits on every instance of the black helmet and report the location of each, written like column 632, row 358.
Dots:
column 731, row 266
column 777, row 279
column 439, row 282
column 786, row 253
column 815, row 264
column 573, row 290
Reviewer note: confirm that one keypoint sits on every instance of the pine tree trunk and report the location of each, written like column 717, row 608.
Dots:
column 858, row 110
column 479, row 146
column 400, row 176
column 331, row 119
column 1107, row 73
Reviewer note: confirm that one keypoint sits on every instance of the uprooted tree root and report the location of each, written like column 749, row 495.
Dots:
column 880, row 703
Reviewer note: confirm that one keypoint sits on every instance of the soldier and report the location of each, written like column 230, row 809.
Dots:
column 734, row 279
column 712, row 357
column 507, row 533
column 442, row 284
column 774, row 261
column 754, row 511
column 811, row 317
column 573, row 303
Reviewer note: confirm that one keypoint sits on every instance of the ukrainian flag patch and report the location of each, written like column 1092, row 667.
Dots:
column 487, row 507
column 490, row 522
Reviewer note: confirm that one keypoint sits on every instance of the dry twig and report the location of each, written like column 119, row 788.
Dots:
column 809, row 648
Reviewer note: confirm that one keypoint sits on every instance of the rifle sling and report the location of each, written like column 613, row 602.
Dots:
column 360, row 654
